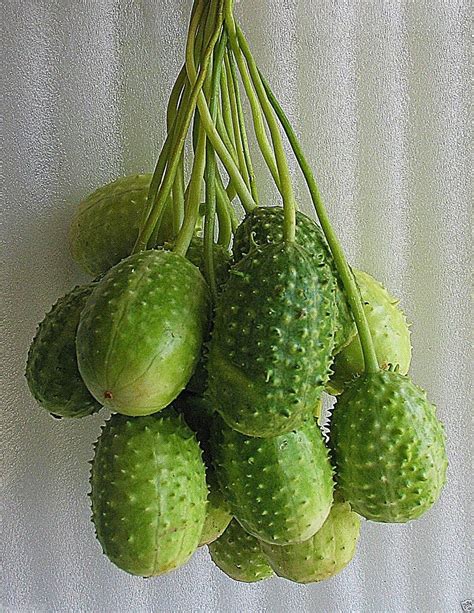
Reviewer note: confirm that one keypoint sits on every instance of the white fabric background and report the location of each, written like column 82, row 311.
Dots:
column 378, row 91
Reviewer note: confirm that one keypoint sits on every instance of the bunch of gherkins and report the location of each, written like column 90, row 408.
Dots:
column 211, row 342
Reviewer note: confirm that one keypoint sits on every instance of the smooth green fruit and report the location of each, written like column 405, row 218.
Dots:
column 51, row 370
column 280, row 489
column 390, row 335
column 141, row 331
column 105, row 226
column 323, row 555
column 264, row 225
column 198, row 414
column 148, row 492
column 239, row 556
column 271, row 347
column 389, row 448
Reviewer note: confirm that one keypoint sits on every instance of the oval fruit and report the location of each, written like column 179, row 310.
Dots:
column 264, row 225
column 105, row 226
column 141, row 331
column 323, row 555
column 51, row 370
column 390, row 335
column 271, row 347
column 239, row 556
column 280, row 489
column 389, row 448
column 148, row 492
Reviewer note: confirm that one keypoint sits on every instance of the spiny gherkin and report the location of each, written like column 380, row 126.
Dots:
column 148, row 492
column 271, row 347
column 389, row 330
column 239, row 556
column 198, row 414
column 141, row 331
column 51, row 371
column 323, row 555
column 105, row 225
column 389, row 448
column 264, row 225
column 280, row 488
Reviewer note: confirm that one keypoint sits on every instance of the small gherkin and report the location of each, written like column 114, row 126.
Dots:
column 323, row 555
column 389, row 448
column 51, row 371
column 198, row 414
column 239, row 556
column 271, row 347
column 141, row 331
column 280, row 488
column 148, row 492
column 389, row 330
column 264, row 225
column 106, row 223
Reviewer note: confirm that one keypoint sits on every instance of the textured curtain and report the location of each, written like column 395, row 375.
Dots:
column 378, row 91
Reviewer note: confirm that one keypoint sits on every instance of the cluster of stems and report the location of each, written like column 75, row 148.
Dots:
column 205, row 115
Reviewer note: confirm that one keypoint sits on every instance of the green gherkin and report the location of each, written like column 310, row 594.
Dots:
column 198, row 414
column 389, row 448
column 141, row 331
column 239, row 556
column 280, row 489
column 271, row 347
column 105, row 226
column 148, row 492
column 264, row 225
column 389, row 330
column 51, row 371
column 323, row 555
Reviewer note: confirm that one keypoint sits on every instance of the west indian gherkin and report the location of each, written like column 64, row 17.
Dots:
column 198, row 414
column 239, row 556
column 389, row 330
column 140, row 334
column 271, row 347
column 281, row 488
column 51, row 371
column 323, row 555
column 148, row 492
column 264, row 225
column 106, row 223
column 389, row 448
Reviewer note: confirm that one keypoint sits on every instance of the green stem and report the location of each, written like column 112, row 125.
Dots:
column 225, row 222
column 158, row 197
column 223, row 194
column 225, row 105
column 286, row 187
column 343, row 268
column 179, row 90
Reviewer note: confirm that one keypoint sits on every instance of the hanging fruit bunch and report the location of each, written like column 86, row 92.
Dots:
column 212, row 341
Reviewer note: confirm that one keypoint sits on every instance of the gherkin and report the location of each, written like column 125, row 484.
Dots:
column 272, row 343
column 264, row 225
column 280, row 488
column 323, row 555
column 389, row 448
column 51, row 371
column 239, row 556
column 106, row 223
column 148, row 492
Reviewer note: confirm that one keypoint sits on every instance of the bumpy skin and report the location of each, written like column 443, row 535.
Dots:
column 239, row 556
column 271, row 347
column 148, row 492
column 264, row 225
column 389, row 448
column 51, row 371
column 198, row 413
column 105, row 225
column 141, row 331
column 323, row 555
column 390, row 335
column 280, row 489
